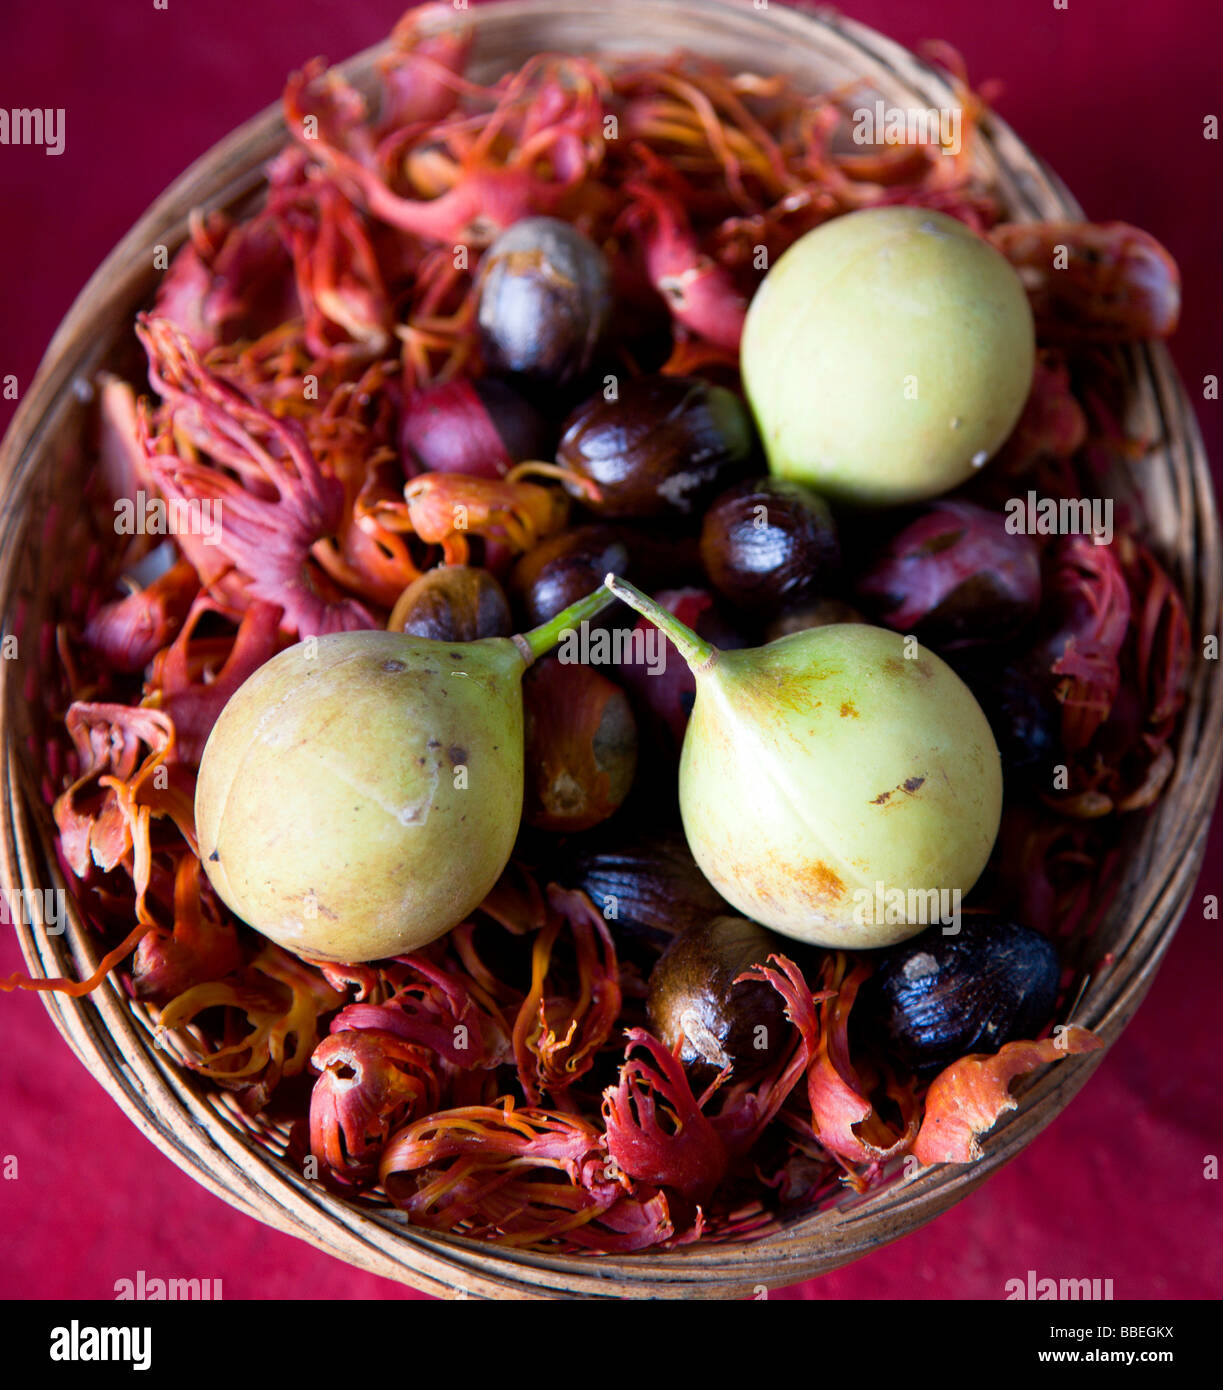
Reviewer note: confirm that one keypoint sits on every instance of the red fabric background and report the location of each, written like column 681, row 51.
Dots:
column 1113, row 95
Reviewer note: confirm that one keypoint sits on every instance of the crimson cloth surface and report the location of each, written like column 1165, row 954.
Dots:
column 1114, row 98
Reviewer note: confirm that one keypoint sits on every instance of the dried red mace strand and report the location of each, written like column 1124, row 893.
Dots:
column 264, row 545
column 368, row 1083
column 437, row 1009
column 76, row 989
column 199, row 946
column 483, row 193
column 108, row 739
column 514, row 513
column 1163, row 642
column 844, row 1120
column 485, row 1150
column 656, row 1131
column 1091, row 586
column 259, row 992
column 547, row 1060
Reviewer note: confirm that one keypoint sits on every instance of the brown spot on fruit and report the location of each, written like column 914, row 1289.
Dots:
column 826, row 881
column 783, row 884
column 910, row 786
column 456, row 755
column 847, row 709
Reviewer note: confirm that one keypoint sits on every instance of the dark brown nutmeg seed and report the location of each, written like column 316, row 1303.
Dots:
column 566, row 567
column 544, row 301
column 769, row 543
column 663, row 446
column 453, row 603
column 695, row 1002
column 581, row 746
column 645, row 883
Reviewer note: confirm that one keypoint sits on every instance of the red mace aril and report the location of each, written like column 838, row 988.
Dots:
column 699, row 292
column 481, row 428
column 656, row 1131
column 956, row 577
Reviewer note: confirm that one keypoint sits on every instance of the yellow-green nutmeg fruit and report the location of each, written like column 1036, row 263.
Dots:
column 361, row 792
column 887, row 356
column 836, row 785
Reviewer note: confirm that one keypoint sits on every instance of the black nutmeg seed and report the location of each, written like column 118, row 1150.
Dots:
column 940, row 997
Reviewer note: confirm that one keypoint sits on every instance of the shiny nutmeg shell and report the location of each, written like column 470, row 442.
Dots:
column 768, row 543
column 544, row 301
column 694, row 999
column 645, row 882
column 564, row 567
column 453, row 603
column 938, row 998
column 661, row 447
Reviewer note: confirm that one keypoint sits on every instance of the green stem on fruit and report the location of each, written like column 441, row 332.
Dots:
column 698, row 653
column 540, row 640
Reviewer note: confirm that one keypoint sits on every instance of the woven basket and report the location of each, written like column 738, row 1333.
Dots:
column 44, row 544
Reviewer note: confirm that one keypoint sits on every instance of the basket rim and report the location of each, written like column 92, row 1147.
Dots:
column 168, row 1106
